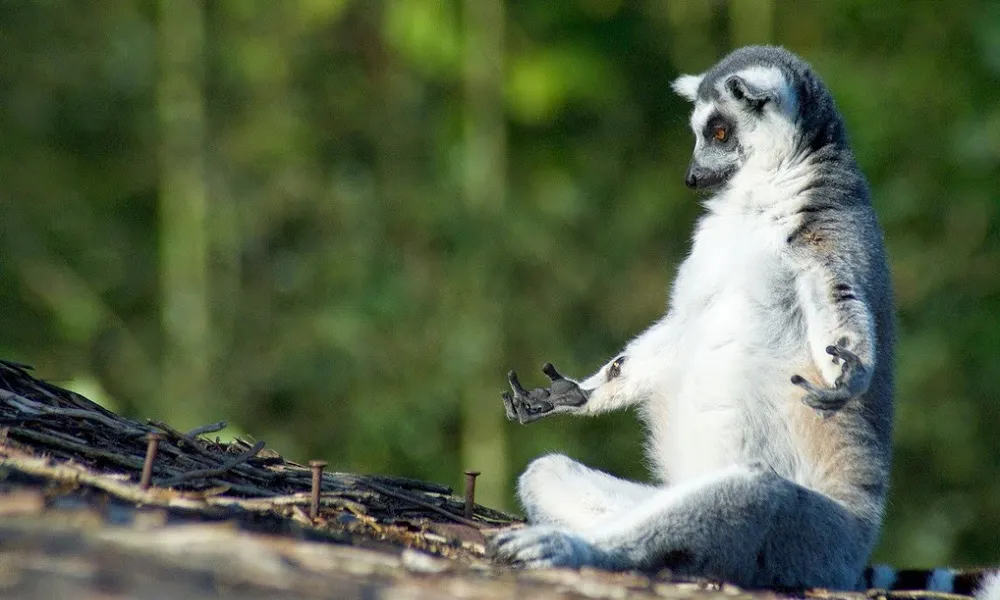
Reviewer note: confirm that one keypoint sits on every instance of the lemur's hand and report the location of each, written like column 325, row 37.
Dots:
column 852, row 382
column 526, row 406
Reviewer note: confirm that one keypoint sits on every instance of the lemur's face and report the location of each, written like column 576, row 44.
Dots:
column 740, row 119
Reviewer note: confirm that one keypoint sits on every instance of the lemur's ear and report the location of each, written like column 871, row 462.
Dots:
column 754, row 96
column 686, row 86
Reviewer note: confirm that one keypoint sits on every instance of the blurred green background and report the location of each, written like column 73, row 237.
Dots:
column 337, row 224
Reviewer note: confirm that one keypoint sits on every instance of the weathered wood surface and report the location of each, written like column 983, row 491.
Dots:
column 46, row 559
column 231, row 521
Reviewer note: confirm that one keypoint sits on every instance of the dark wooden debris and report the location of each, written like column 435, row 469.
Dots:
column 232, row 520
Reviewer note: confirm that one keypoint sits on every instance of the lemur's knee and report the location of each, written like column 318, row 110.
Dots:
column 544, row 470
column 540, row 483
column 557, row 490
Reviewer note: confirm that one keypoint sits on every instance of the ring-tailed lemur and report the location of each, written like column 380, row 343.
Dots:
column 767, row 386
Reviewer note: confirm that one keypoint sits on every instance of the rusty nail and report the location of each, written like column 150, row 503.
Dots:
column 317, row 480
column 147, row 464
column 470, row 492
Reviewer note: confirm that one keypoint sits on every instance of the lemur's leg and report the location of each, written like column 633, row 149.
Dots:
column 840, row 330
column 744, row 525
column 629, row 378
column 556, row 490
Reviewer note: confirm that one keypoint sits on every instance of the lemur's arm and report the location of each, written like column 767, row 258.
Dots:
column 840, row 331
column 626, row 380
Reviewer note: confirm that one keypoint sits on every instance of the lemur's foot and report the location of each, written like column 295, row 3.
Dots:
column 542, row 547
column 525, row 406
column 848, row 385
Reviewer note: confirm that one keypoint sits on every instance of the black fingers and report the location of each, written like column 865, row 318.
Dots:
column 515, row 384
column 523, row 405
column 508, row 405
column 843, row 354
column 802, row 383
column 526, row 406
column 825, row 400
column 551, row 373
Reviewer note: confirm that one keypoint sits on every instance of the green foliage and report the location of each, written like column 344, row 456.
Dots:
column 404, row 199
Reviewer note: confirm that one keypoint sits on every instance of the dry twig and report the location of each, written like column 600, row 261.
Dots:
column 214, row 473
column 74, row 441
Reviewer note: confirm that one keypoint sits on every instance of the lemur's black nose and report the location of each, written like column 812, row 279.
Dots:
column 691, row 177
column 700, row 178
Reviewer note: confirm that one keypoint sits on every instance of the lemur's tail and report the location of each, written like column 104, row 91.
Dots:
column 989, row 587
column 983, row 584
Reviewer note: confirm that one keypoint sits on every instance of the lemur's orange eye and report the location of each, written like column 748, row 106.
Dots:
column 720, row 134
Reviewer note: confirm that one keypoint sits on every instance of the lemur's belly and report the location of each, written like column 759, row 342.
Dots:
column 730, row 389
column 730, row 419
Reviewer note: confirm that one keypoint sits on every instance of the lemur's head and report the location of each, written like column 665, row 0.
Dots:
column 759, row 108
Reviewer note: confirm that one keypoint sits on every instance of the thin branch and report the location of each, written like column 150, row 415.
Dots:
column 300, row 499
column 249, row 471
column 403, row 496
column 221, row 470
column 244, row 488
column 27, row 405
column 210, row 428
column 118, row 459
column 77, row 474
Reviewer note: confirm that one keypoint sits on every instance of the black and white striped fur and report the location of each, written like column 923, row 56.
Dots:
column 983, row 584
column 767, row 386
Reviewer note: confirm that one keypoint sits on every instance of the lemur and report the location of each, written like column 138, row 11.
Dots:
column 766, row 388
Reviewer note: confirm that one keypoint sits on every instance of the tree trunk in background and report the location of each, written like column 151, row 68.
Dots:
column 483, row 439
column 183, row 236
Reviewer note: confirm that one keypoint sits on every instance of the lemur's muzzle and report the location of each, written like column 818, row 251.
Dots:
column 700, row 178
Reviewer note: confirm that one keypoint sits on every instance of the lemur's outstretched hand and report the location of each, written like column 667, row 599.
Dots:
column 852, row 382
column 526, row 406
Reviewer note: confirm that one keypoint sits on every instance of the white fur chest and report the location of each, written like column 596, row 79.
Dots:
column 736, row 289
column 735, row 316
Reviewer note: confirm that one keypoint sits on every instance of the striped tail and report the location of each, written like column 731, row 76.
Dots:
column 989, row 587
column 983, row 584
